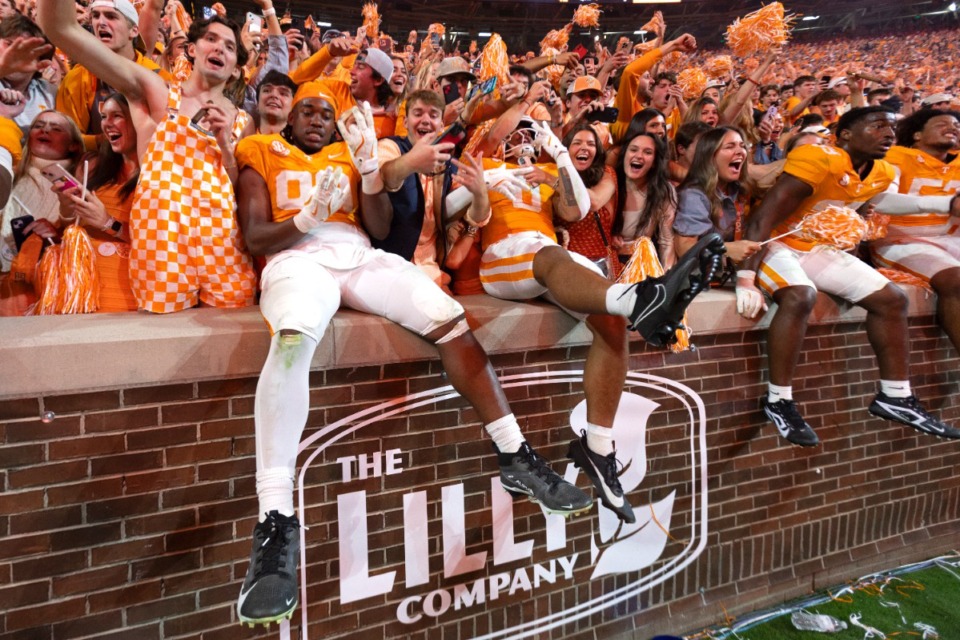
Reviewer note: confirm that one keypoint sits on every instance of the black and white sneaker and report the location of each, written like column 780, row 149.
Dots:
column 602, row 471
column 908, row 411
column 662, row 301
column 526, row 473
column 789, row 422
column 269, row 592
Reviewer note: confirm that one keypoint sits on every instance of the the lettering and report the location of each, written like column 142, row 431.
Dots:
column 372, row 466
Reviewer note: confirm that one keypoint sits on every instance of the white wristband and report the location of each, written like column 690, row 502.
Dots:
column 269, row 13
column 372, row 182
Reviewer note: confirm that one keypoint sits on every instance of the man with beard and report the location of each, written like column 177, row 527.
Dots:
column 793, row 269
column 302, row 202
column 927, row 245
column 522, row 260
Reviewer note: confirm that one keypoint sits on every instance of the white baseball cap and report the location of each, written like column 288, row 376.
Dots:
column 123, row 7
column 378, row 60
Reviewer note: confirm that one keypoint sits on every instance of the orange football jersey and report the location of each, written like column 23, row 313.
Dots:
column 290, row 173
column 829, row 171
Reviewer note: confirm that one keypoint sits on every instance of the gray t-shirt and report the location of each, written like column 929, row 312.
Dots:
column 693, row 215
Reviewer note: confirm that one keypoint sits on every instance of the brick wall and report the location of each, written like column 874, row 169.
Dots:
column 129, row 515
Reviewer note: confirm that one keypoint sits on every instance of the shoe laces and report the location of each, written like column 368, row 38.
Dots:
column 611, row 471
column 789, row 410
column 538, row 465
column 273, row 547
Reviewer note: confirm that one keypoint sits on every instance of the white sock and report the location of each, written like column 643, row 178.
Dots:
column 280, row 413
column 895, row 388
column 621, row 299
column 275, row 491
column 505, row 433
column 776, row 393
column 600, row 439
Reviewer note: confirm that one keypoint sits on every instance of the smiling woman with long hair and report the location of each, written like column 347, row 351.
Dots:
column 646, row 201
column 714, row 196
column 591, row 237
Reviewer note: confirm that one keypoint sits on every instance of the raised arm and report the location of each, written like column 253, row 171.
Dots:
column 141, row 87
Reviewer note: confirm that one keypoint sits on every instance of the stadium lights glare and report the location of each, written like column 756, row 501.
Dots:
column 484, row 34
column 639, row 32
column 324, row 24
column 809, row 18
column 952, row 6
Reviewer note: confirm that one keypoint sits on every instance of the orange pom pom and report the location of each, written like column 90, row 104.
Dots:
column 902, row 277
column 79, row 282
column 644, row 264
column 719, row 66
column 371, row 18
column 877, row 224
column 760, row 31
column 692, row 82
column 751, row 64
column 494, row 62
column 556, row 39
column 587, row 15
column 672, row 60
column 182, row 68
column 48, row 284
column 838, row 227
column 437, row 28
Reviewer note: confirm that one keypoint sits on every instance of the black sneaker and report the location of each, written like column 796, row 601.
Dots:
column 525, row 473
column 789, row 422
column 602, row 471
column 909, row 412
column 662, row 301
column 269, row 592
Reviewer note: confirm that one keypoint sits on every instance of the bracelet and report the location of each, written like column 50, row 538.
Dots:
column 269, row 13
column 749, row 79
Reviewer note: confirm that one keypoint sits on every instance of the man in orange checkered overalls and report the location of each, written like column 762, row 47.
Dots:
column 185, row 243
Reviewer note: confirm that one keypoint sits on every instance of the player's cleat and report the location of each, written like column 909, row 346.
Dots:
column 527, row 473
column 791, row 425
column 662, row 301
column 269, row 592
column 602, row 471
column 908, row 411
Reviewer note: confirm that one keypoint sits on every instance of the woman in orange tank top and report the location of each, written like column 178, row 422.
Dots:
column 105, row 213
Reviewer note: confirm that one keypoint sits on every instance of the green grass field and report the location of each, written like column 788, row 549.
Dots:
column 891, row 602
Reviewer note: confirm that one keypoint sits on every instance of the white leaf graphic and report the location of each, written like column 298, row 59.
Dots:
column 643, row 545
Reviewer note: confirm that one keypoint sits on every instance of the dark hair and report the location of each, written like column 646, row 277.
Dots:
column 852, row 117
column 109, row 163
column 660, row 193
column 665, row 75
column 276, row 78
column 198, row 29
column 802, row 80
column 769, row 87
column 873, row 93
column 592, row 175
column 703, row 174
column 519, row 69
column 688, row 133
column 792, row 142
column 915, row 122
column 828, row 94
column 20, row 25
column 808, row 120
column 427, row 97
column 696, row 108
column 638, row 123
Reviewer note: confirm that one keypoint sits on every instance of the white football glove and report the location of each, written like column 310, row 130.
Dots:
column 507, row 182
column 361, row 138
column 547, row 140
column 327, row 197
column 750, row 300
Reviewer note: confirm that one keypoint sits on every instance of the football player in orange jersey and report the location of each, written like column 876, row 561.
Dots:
column 299, row 199
column 927, row 245
column 792, row 270
column 522, row 261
